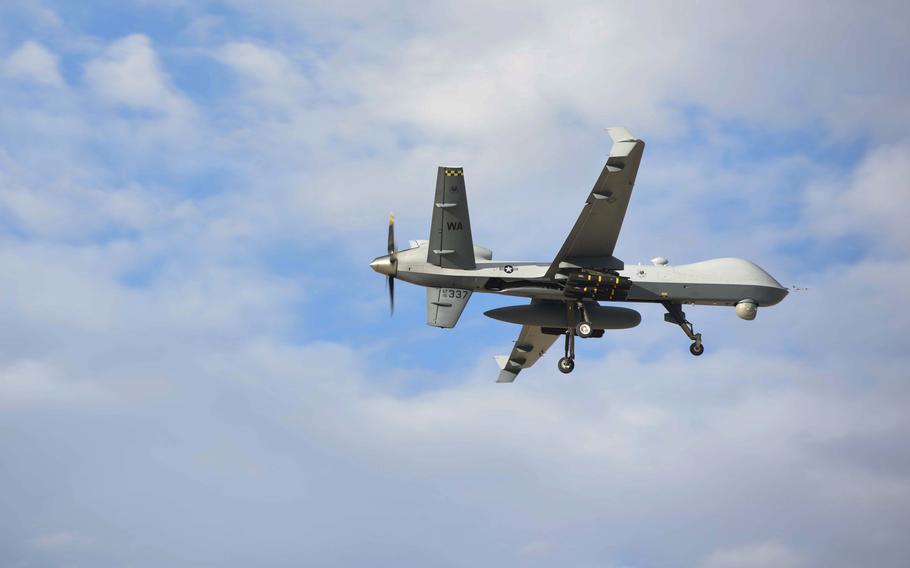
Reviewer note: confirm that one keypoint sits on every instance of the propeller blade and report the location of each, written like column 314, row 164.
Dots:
column 391, row 246
column 391, row 281
column 393, row 261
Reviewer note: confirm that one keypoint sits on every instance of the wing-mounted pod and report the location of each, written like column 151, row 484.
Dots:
column 554, row 315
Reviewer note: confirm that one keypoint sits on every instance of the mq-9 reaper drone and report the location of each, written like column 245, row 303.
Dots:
column 566, row 294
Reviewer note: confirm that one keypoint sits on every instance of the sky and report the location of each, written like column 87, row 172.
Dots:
column 198, row 368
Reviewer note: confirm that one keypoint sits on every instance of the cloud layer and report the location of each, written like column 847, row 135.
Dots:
column 196, row 366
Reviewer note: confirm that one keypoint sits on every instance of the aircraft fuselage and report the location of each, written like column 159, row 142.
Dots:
column 718, row 282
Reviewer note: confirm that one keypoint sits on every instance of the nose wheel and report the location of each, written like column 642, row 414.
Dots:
column 676, row 315
column 566, row 365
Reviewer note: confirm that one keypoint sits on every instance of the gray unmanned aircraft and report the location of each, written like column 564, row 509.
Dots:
column 566, row 293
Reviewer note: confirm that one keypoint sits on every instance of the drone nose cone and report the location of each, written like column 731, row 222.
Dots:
column 383, row 265
column 776, row 295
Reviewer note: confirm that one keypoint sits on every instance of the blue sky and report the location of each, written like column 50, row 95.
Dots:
column 197, row 366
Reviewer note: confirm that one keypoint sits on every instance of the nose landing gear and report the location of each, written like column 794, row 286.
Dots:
column 676, row 315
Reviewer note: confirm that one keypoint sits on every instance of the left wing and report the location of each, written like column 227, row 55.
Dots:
column 592, row 239
column 531, row 344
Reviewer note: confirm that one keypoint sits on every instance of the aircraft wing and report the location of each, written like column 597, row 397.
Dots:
column 531, row 344
column 592, row 239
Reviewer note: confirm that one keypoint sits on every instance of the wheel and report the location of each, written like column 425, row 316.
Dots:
column 584, row 329
column 566, row 365
column 696, row 349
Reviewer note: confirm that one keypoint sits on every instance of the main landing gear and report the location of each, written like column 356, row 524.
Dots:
column 584, row 330
column 567, row 364
column 676, row 315
column 575, row 312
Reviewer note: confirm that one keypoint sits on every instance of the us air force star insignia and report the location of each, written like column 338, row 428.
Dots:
column 508, row 268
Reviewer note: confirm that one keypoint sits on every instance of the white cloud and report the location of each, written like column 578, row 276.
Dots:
column 519, row 97
column 219, row 406
column 76, row 211
column 36, row 12
column 760, row 555
column 586, row 471
column 58, row 540
column 450, row 72
column 28, row 382
column 34, row 62
column 267, row 75
column 873, row 201
column 128, row 73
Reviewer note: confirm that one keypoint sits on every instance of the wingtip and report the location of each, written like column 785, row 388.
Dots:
column 621, row 134
column 506, row 376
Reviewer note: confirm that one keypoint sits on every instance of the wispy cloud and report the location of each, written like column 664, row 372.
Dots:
column 34, row 62
column 60, row 540
column 128, row 73
column 747, row 556
column 196, row 365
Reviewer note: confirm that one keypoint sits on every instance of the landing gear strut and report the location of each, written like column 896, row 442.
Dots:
column 579, row 314
column 567, row 363
column 575, row 312
column 676, row 315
